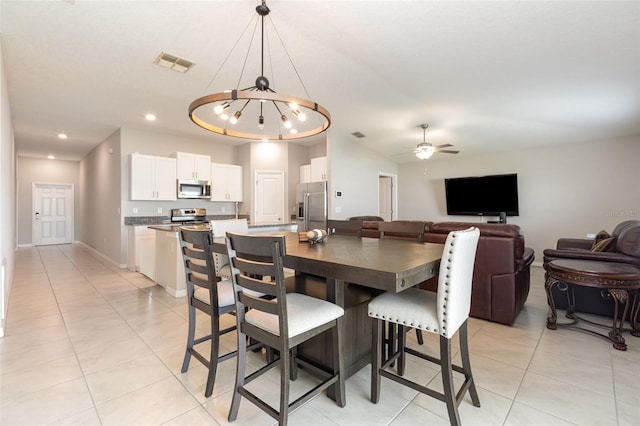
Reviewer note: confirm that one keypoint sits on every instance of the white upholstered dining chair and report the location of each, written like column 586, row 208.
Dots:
column 444, row 313
column 219, row 228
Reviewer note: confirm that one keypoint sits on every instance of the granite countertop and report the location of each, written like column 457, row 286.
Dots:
column 175, row 228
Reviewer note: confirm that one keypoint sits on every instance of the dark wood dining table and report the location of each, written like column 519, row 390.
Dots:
column 355, row 269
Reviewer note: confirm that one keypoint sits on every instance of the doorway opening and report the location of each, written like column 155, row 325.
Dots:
column 387, row 196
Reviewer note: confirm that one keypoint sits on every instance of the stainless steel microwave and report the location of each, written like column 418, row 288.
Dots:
column 192, row 188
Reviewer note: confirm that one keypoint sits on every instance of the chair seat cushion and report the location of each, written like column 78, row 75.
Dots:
column 412, row 308
column 225, row 293
column 304, row 313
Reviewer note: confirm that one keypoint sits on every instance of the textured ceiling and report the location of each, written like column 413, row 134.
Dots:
column 485, row 76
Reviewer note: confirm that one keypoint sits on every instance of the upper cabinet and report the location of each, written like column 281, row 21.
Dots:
column 305, row 173
column 193, row 166
column 318, row 169
column 153, row 178
column 226, row 182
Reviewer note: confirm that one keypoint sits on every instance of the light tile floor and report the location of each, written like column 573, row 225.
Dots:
column 88, row 343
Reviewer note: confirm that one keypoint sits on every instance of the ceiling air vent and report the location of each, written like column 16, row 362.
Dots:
column 173, row 62
column 357, row 135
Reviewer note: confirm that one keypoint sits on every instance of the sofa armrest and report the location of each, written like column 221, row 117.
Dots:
column 550, row 254
column 527, row 259
column 574, row 243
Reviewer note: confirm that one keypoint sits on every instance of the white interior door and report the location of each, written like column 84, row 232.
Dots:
column 52, row 214
column 269, row 198
column 385, row 196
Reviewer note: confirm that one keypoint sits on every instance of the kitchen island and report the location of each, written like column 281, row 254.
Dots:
column 169, row 268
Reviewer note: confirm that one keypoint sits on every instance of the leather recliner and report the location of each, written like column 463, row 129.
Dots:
column 625, row 248
column 502, row 269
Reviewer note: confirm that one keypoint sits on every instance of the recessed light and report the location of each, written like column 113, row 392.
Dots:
column 62, row 136
column 51, row 157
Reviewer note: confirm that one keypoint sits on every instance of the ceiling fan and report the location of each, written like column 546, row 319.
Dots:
column 425, row 150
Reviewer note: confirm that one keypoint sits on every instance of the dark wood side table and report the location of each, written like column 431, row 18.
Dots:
column 617, row 281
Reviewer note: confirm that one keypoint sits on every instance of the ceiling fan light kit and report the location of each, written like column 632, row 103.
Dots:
column 277, row 116
column 425, row 150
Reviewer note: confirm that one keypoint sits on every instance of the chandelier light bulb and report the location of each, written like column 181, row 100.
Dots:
column 293, row 131
column 261, row 122
column 286, row 122
column 224, row 117
column 235, row 117
column 294, row 106
column 221, row 107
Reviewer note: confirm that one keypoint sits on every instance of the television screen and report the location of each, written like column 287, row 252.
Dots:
column 482, row 195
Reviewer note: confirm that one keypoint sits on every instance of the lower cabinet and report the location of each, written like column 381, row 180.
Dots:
column 169, row 264
column 142, row 250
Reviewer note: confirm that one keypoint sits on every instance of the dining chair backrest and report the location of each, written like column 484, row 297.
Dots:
column 199, row 269
column 408, row 229
column 255, row 256
column 219, row 228
column 345, row 227
column 455, row 278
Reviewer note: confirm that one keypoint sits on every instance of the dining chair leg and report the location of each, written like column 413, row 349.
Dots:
column 466, row 364
column 447, row 381
column 240, row 366
column 402, row 343
column 293, row 366
column 213, row 354
column 190, row 339
column 376, row 362
column 285, row 374
column 419, row 336
column 338, row 367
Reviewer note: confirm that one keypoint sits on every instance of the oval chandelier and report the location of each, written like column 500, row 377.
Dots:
column 259, row 112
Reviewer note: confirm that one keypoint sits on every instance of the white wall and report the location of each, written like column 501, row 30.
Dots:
column 564, row 190
column 100, row 184
column 353, row 170
column 7, row 195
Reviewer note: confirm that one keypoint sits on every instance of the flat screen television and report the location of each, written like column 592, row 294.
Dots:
column 482, row 195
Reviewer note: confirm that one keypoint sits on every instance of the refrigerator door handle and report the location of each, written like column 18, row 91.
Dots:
column 307, row 219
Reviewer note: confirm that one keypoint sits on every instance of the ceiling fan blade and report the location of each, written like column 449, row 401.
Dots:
column 446, row 145
column 447, row 151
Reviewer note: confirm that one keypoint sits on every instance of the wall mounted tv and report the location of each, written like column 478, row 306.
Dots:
column 482, row 195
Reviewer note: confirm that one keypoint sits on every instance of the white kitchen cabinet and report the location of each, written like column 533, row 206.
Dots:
column 193, row 166
column 226, row 182
column 305, row 173
column 141, row 255
column 318, row 169
column 153, row 178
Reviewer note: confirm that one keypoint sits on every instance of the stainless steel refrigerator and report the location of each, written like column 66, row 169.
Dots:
column 312, row 204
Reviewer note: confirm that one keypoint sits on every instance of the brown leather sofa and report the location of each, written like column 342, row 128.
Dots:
column 624, row 248
column 501, row 275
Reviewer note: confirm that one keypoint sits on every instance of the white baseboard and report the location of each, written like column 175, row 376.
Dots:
column 538, row 264
column 25, row 245
column 108, row 259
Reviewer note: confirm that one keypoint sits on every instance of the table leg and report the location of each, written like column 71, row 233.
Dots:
column 635, row 312
column 335, row 294
column 615, row 335
column 548, row 286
